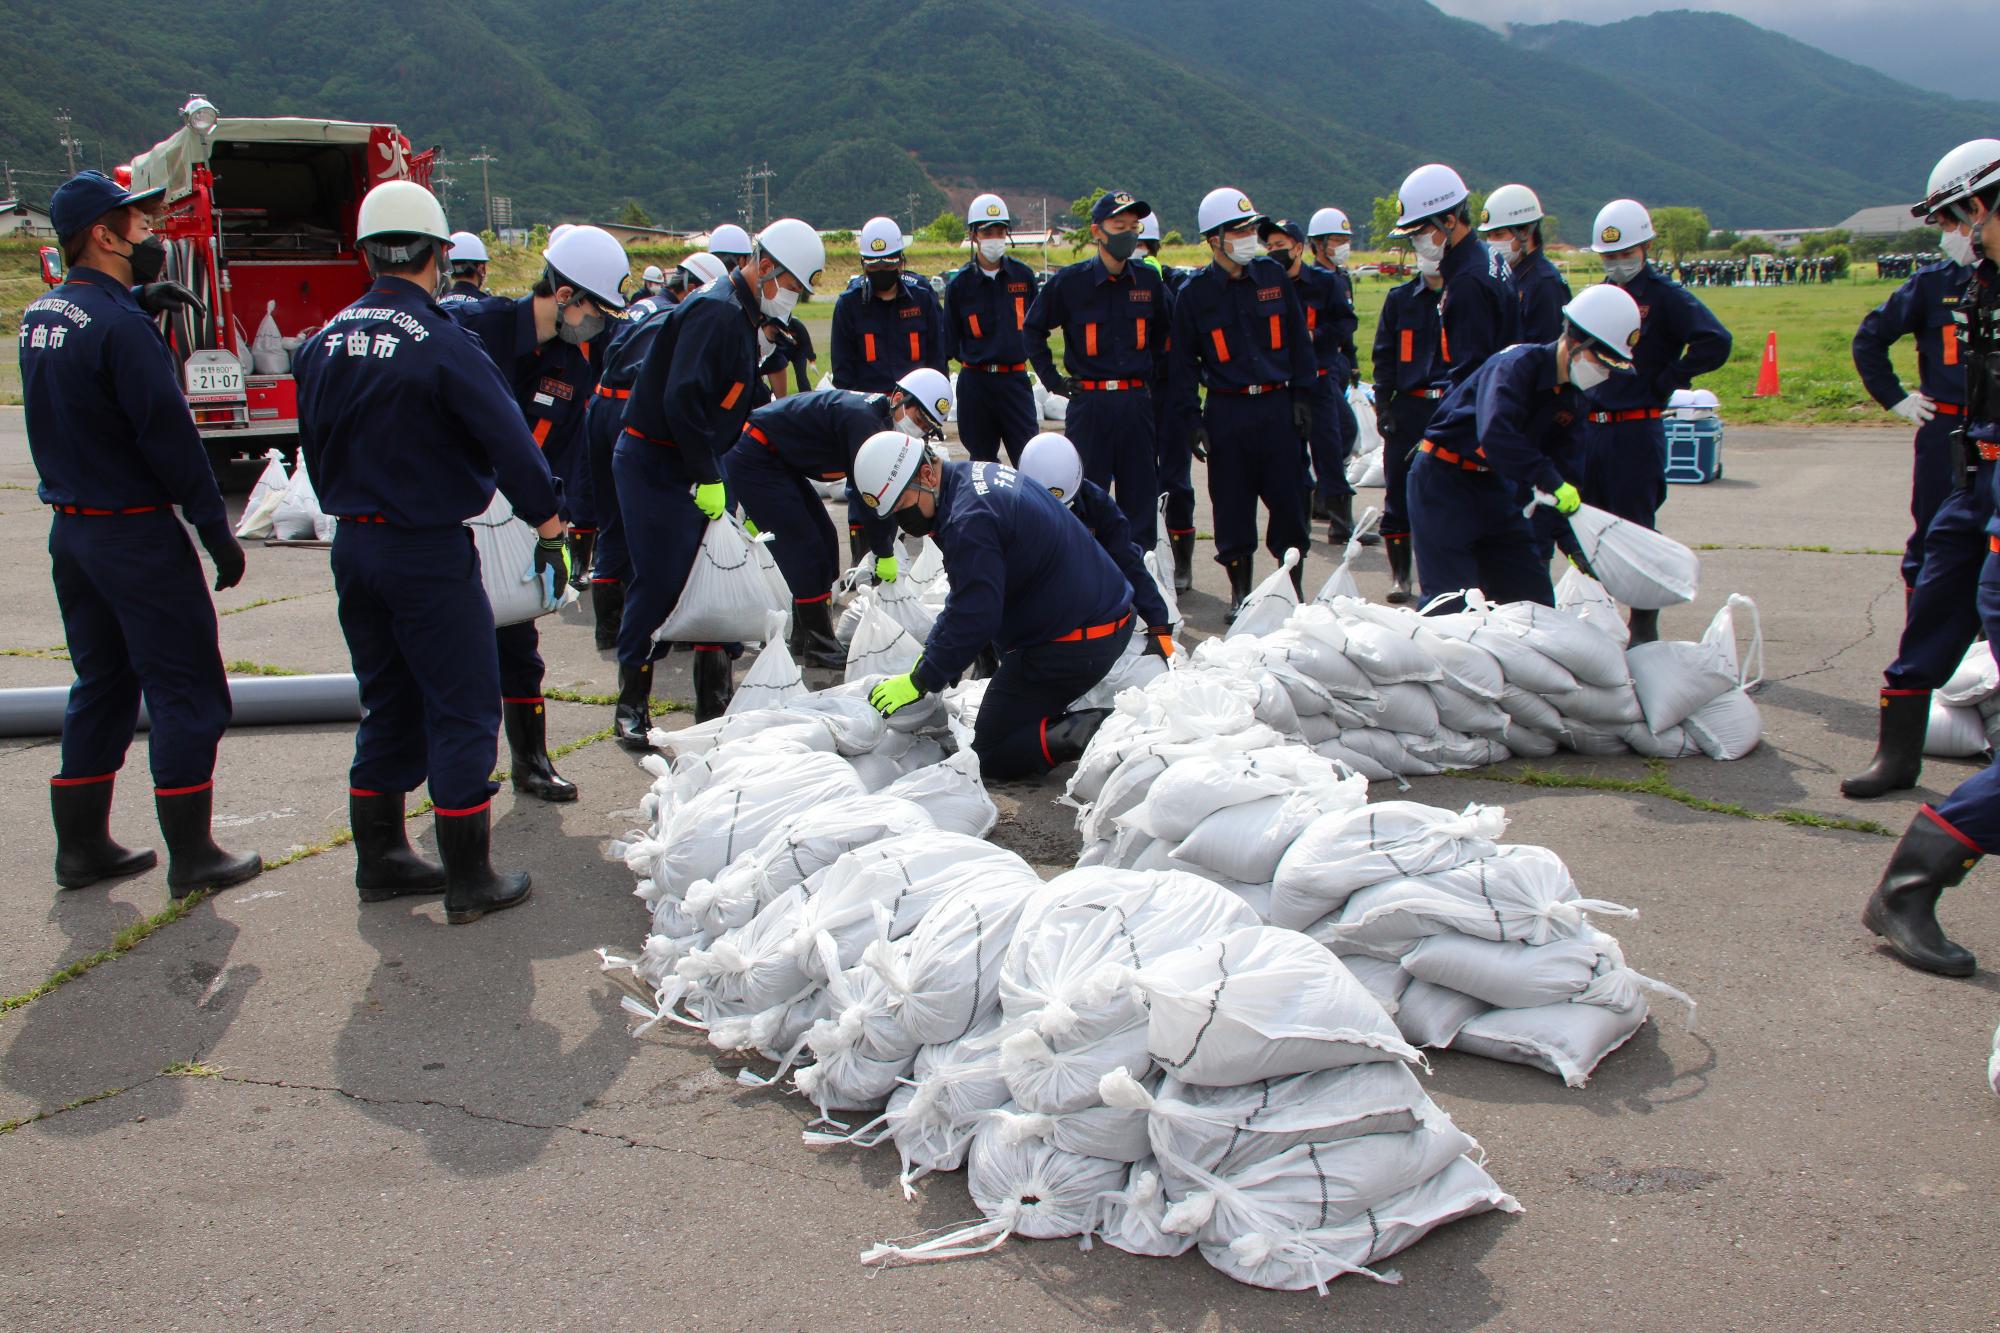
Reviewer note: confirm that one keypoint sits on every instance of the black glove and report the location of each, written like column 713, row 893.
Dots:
column 157, row 298
column 1062, row 386
column 1159, row 642
column 1302, row 416
column 781, row 337
column 1198, row 442
column 223, row 549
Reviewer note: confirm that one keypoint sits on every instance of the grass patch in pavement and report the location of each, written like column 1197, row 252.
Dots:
column 1656, row 783
column 1806, row 549
column 9, row 1126
column 243, row 668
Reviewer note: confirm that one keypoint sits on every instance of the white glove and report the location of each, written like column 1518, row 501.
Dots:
column 1916, row 408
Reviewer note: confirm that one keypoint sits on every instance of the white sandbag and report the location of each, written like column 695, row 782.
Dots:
column 1584, row 597
column 1523, row 743
column 265, row 497
column 1367, row 434
column 1520, row 893
column 298, row 513
column 1976, row 680
column 1673, row 679
column 1129, row 1219
column 1115, row 1134
column 1382, row 979
column 1567, row 1040
column 1042, row 1077
column 1446, row 750
column 1194, row 789
column 267, row 350
column 1367, row 469
column 903, row 601
column 1257, row 1003
column 1315, row 1257
column 1341, row 582
column 881, row 646
column 1364, row 764
column 729, row 818
column 1673, row 743
column 932, row 1116
column 1430, row 1015
column 952, row 794
column 773, row 680
column 1387, row 656
column 882, row 889
column 506, row 547
column 731, row 591
column 944, row 979
column 1727, row 727
column 1954, row 733
column 1054, row 408
column 1385, row 749
column 1245, row 842
column 1403, row 708
column 1589, row 654
column 1465, row 712
column 1993, row 1065
column 1602, row 707
column 746, row 973
column 1521, row 663
column 1347, row 851
column 1640, row 567
column 1591, row 739
column 797, row 848
column 1467, row 667
column 1589, row 969
column 1134, row 667
column 1270, row 603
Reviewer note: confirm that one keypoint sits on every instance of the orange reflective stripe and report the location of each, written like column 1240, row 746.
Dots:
column 1951, row 344
column 1277, row 334
column 1221, row 344
column 729, row 399
column 1444, row 344
column 1408, row 347
column 973, row 320
column 1312, row 319
column 1142, row 335
column 542, row 429
column 1020, row 312
column 1090, row 340
column 916, row 348
column 868, row 347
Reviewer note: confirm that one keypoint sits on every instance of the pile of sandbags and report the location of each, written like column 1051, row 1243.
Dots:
column 1965, row 714
column 1365, row 464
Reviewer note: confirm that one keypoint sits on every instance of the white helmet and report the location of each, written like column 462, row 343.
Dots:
column 562, row 229
column 1149, row 227
column 704, row 268
column 987, row 209
column 1608, row 315
column 1431, row 189
column 1329, row 222
column 401, row 208
column 1051, row 461
column 1221, row 207
column 796, row 247
column 1510, row 206
column 467, row 248
column 591, row 260
column 652, row 274
column 932, row 392
column 1621, row 224
column 884, row 466
column 1964, row 171
column 729, row 239
column 881, row 238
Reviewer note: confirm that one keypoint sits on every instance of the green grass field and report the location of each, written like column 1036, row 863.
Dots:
column 1814, row 324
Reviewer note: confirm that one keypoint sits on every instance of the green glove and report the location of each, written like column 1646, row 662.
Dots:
column 710, row 499
column 886, row 569
column 748, row 527
column 1567, row 499
column 894, row 693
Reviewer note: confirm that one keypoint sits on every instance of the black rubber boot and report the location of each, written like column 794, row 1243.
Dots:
column 1320, row 506
column 85, row 853
column 1899, row 748
column 472, row 886
column 1299, row 579
column 812, row 642
column 1183, row 547
column 1066, row 737
column 580, row 544
column 1239, row 584
column 714, row 683
column 1929, row 860
column 1340, row 520
column 193, row 859
column 633, row 716
column 385, row 865
column 1398, row 547
column 530, row 769
column 607, row 608
column 1645, row 626
column 858, row 551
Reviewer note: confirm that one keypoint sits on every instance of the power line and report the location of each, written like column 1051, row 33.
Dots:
column 66, row 138
column 485, row 159
column 752, row 175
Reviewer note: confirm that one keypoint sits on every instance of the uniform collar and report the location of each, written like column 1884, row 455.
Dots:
column 746, row 296
column 1545, row 368
column 104, row 282
column 1099, row 273
column 401, row 289
column 1468, row 253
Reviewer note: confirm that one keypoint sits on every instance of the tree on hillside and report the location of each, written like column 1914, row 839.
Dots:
column 1382, row 222
column 946, row 229
column 632, row 215
column 1722, row 240
column 1682, row 231
column 1079, row 211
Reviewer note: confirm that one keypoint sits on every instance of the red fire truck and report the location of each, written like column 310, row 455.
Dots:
column 259, row 217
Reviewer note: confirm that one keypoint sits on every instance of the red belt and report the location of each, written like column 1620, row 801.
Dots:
column 1094, row 631
column 638, row 434
column 1948, row 409
column 79, row 511
column 1108, row 386
column 603, row 392
column 1636, row 414
column 1447, row 456
column 1426, row 393
column 1249, row 391
column 1989, row 451
column 1325, row 371
column 997, row 369
column 361, row 518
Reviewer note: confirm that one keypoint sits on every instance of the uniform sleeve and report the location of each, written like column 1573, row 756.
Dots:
column 701, row 387
column 1114, row 534
column 856, row 425
column 1502, row 412
column 142, row 378
column 1305, row 365
column 1384, row 356
column 1707, row 345
column 949, row 342
column 1897, row 317
column 840, row 343
column 1183, row 375
column 973, row 609
column 1345, row 321
column 1473, row 326
column 937, row 358
column 1541, row 313
column 1044, row 313
column 1162, row 335
column 470, row 389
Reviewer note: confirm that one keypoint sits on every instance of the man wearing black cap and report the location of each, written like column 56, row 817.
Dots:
column 1113, row 313
column 116, row 449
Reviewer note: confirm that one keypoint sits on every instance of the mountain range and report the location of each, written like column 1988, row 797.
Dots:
column 859, row 107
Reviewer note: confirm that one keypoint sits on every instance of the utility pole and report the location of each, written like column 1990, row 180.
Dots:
column 761, row 174
column 66, row 139
column 910, row 207
column 747, row 214
column 485, row 159
column 8, row 169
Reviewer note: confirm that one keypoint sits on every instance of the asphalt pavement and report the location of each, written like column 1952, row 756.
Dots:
column 286, row 1110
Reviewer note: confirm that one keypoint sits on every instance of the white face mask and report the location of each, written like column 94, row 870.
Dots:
column 1340, row 253
column 993, row 249
column 1241, row 249
column 779, row 307
column 1586, row 374
column 909, row 427
column 1622, row 271
column 1428, row 248
column 1509, row 249
column 1427, row 267
column 1957, row 247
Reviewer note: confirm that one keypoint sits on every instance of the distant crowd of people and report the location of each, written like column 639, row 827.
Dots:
column 1757, row 271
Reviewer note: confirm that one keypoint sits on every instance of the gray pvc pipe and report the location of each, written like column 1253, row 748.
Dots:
column 256, row 701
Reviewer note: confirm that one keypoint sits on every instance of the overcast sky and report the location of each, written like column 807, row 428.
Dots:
column 1951, row 46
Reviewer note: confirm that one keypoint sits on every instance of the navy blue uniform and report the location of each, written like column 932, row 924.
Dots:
column 985, row 323
column 1173, row 453
column 116, row 447
column 1409, row 384
column 787, row 446
column 1327, row 296
column 1624, row 439
column 1244, row 340
column 1115, row 333
column 1540, row 295
column 406, row 425
column 604, row 420
column 688, row 405
column 1922, row 308
column 1106, row 521
column 1477, row 313
column 1030, row 580
column 1493, row 443
column 875, row 342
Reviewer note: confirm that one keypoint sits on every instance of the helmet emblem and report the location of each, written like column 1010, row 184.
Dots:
column 1610, row 235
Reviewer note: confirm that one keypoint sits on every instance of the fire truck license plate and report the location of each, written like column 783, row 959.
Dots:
column 214, row 373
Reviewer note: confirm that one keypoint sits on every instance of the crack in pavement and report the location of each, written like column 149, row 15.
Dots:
column 1868, row 632
column 9, row 1126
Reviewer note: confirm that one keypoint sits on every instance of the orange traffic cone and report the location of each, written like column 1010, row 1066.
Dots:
column 1767, row 374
